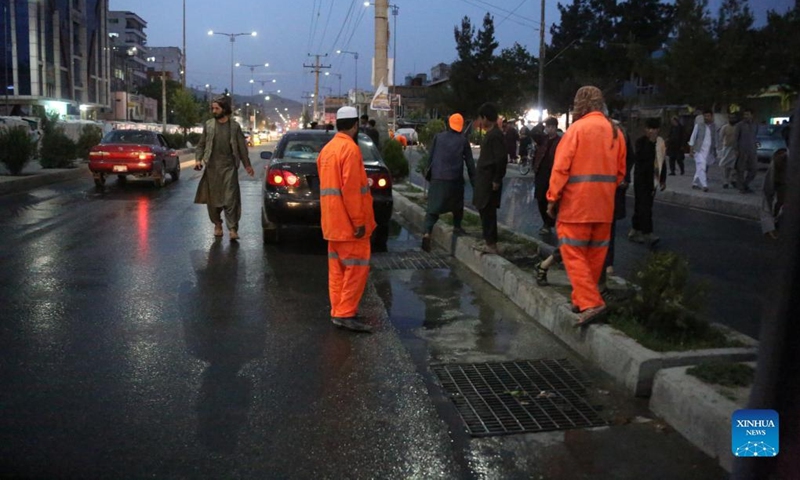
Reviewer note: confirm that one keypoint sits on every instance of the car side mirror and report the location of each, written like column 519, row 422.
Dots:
column 172, row 153
column 266, row 155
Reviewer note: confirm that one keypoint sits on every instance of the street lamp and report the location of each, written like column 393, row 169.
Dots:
column 355, row 57
column 340, row 80
column 252, row 68
column 395, row 11
column 232, row 36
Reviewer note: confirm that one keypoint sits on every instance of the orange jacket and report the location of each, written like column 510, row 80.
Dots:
column 344, row 195
column 589, row 164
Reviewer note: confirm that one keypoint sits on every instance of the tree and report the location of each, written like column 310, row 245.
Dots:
column 153, row 90
column 779, row 49
column 516, row 70
column 472, row 76
column 187, row 109
column 688, row 59
column 735, row 70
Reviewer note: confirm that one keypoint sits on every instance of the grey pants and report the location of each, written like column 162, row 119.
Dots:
column 232, row 215
column 745, row 164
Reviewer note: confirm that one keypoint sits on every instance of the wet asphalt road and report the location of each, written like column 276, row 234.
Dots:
column 135, row 345
column 727, row 256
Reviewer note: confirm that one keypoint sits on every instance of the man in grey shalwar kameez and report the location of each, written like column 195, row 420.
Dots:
column 221, row 149
column 450, row 152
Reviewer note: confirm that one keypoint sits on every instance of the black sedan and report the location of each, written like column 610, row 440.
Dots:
column 291, row 186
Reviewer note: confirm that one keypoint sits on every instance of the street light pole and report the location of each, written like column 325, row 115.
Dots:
column 232, row 37
column 5, row 56
column 183, row 58
column 355, row 57
column 395, row 11
column 541, row 66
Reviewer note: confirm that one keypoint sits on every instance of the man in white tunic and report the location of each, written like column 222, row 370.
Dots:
column 704, row 149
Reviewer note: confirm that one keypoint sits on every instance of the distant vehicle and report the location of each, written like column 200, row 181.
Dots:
column 141, row 153
column 769, row 141
column 410, row 134
column 291, row 188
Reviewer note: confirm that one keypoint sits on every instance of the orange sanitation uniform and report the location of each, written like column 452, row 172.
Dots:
column 589, row 164
column 346, row 203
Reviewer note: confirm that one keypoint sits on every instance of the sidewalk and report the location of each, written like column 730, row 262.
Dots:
column 34, row 176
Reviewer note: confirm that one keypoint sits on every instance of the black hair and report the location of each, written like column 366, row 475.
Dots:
column 707, row 110
column 747, row 110
column 224, row 103
column 371, row 123
column 365, row 117
column 343, row 124
column 552, row 121
column 488, row 111
column 652, row 123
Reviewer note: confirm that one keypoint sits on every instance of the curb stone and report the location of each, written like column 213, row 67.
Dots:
column 633, row 365
column 698, row 411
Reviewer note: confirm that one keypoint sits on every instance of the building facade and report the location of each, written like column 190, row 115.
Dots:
column 129, row 51
column 54, row 57
column 168, row 59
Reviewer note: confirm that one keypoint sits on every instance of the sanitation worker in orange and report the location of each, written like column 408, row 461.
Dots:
column 347, row 220
column 589, row 165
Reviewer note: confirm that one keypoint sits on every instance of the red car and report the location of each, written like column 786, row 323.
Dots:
column 140, row 153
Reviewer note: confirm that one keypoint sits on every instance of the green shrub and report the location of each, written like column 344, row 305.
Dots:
column 426, row 134
column 58, row 150
column 192, row 137
column 665, row 306
column 16, row 148
column 90, row 136
column 175, row 140
column 725, row 374
column 395, row 159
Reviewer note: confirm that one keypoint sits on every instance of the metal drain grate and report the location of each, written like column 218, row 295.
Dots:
column 518, row 397
column 408, row 260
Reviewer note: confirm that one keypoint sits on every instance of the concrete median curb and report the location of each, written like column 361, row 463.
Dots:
column 633, row 365
column 699, row 411
column 43, row 177
column 710, row 204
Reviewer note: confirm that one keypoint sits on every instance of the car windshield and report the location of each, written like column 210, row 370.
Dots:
column 307, row 147
column 129, row 136
column 769, row 130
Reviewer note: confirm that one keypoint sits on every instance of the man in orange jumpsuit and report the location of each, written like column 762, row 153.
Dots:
column 589, row 164
column 347, row 220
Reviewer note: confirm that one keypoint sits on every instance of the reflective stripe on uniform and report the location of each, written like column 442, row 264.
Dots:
column 364, row 190
column 358, row 262
column 333, row 255
column 330, row 191
column 574, row 242
column 593, row 178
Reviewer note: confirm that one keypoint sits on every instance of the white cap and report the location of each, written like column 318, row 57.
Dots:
column 346, row 112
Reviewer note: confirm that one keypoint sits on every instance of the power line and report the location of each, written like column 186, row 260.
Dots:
column 512, row 12
column 344, row 23
column 327, row 21
column 534, row 26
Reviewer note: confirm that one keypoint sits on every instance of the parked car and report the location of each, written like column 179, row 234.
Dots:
column 141, row 153
column 291, row 186
column 769, row 141
column 410, row 134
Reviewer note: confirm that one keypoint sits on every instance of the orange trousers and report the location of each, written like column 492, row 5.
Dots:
column 583, row 247
column 348, row 269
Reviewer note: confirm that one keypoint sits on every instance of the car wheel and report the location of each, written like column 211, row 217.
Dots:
column 380, row 238
column 272, row 234
column 158, row 176
column 99, row 179
column 176, row 174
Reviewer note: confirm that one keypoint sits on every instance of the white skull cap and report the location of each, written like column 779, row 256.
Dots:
column 346, row 112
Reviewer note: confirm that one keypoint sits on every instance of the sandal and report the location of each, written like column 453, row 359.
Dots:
column 541, row 275
column 591, row 315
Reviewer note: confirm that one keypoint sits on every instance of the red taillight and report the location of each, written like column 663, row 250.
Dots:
column 379, row 181
column 97, row 154
column 282, row 178
column 144, row 155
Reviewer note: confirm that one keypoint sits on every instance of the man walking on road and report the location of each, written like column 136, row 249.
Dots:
column 746, row 152
column 491, row 169
column 649, row 173
column 450, row 152
column 589, row 165
column 727, row 156
column 704, row 149
column 347, row 220
column 221, row 149
column 511, row 136
column 542, row 168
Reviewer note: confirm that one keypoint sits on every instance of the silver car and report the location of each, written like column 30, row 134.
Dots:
column 769, row 141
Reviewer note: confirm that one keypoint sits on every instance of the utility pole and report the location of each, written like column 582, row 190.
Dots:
column 6, row 46
column 316, row 69
column 541, row 66
column 164, row 94
column 306, row 96
column 381, row 43
column 183, row 57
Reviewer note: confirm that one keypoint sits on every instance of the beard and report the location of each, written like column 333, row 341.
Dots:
column 219, row 115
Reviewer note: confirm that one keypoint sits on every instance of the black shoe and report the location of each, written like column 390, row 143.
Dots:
column 354, row 324
column 426, row 243
column 672, row 173
column 541, row 275
column 459, row 231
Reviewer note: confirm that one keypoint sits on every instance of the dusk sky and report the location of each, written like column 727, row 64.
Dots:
column 290, row 30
